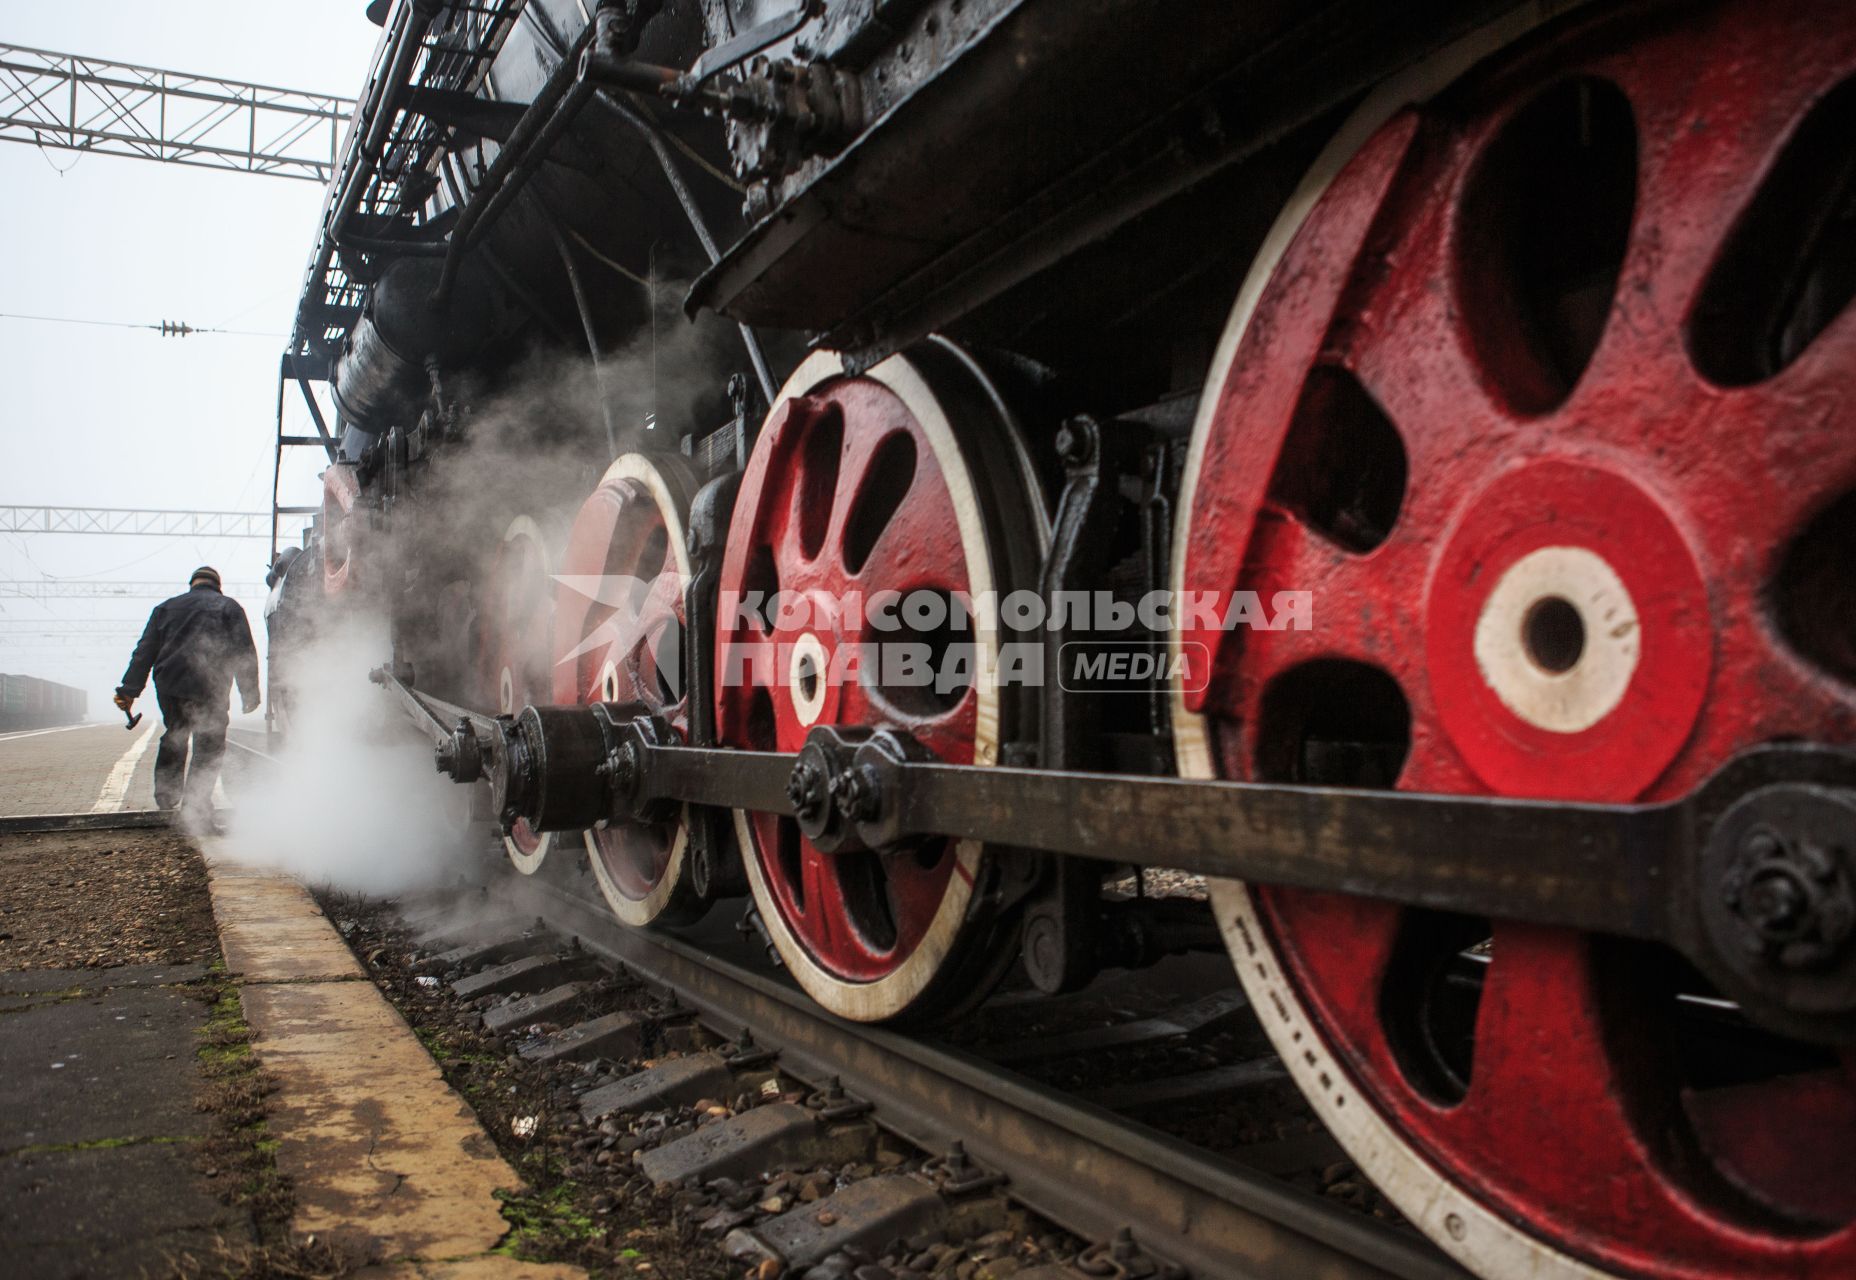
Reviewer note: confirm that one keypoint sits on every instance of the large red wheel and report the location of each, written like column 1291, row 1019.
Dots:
column 515, row 645
column 1542, row 390
column 619, row 635
column 909, row 480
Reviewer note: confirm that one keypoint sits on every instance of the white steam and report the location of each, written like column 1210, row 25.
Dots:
column 351, row 799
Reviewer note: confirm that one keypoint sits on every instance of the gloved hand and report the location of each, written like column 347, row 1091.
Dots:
column 250, row 703
column 123, row 702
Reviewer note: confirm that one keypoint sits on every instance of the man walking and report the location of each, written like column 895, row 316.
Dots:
column 195, row 645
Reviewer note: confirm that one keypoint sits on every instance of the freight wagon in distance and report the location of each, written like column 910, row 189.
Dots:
column 27, row 702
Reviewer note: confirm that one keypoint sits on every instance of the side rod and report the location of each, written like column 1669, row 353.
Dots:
column 1611, row 868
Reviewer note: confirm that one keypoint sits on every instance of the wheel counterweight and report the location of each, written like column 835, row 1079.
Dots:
column 1512, row 394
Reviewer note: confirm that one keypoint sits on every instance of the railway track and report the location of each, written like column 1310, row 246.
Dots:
column 1152, row 1204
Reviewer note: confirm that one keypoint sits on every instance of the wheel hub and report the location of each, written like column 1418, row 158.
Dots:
column 806, row 682
column 1557, row 580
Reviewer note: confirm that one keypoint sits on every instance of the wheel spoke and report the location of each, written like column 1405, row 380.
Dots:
column 1354, row 611
column 1275, row 364
column 1693, row 189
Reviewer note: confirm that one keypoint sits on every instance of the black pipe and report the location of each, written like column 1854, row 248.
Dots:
column 575, row 81
column 535, row 134
column 654, row 136
column 420, row 17
column 586, row 322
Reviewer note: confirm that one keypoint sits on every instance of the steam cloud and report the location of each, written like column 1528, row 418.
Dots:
column 351, row 799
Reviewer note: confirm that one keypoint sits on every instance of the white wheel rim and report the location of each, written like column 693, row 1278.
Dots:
column 527, row 863
column 638, row 912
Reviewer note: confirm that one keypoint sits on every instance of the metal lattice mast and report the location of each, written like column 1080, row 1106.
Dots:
column 71, row 103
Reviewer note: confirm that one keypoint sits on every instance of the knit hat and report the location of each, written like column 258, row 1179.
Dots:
column 205, row 573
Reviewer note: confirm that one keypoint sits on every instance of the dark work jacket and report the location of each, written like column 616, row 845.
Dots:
column 195, row 644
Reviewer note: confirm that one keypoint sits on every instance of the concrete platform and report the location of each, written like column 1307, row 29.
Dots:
column 386, row 1158
column 98, row 1130
column 97, row 768
column 99, row 1135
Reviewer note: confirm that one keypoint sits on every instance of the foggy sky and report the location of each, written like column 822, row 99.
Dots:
column 107, row 417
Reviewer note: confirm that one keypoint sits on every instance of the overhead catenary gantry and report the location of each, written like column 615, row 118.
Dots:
column 71, row 103
column 96, row 589
column 145, row 522
column 67, row 102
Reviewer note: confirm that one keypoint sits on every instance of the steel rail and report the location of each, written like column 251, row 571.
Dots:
column 1086, row 1169
column 114, row 820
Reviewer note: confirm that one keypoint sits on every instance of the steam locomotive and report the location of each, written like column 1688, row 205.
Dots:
column 908, row 461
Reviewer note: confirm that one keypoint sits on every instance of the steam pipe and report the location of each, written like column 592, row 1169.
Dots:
column 419, row 18
column 654, row 136
column 576, row 80
column 421, row 14
column 517, row 290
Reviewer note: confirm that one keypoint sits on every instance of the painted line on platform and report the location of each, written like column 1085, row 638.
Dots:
column 115, row 795
column 33, row 733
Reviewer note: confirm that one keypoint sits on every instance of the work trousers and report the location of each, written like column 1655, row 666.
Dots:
column 187, row 722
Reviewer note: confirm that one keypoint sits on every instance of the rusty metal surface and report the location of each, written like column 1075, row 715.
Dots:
column 1078, row 1165
column 1640, row 871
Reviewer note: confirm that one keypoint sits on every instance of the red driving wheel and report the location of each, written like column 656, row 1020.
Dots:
column 618, row 635
column 516, row 647
column 1541, row 389
column 904, row 484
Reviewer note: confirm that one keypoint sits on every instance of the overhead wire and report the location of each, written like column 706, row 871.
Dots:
column 167, row 328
